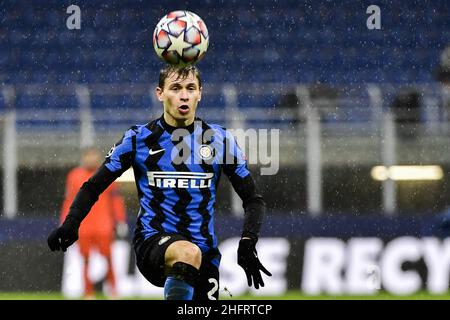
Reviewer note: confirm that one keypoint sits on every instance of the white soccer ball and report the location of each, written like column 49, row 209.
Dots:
column 181, row 38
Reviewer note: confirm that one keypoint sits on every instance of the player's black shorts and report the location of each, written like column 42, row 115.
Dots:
column 150, row 262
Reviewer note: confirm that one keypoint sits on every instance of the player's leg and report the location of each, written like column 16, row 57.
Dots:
column 84, row 244
column 104, row 244
column 88, row 285
column 158, row 263
column 182, row 261
column 207, row 285
column 151, row 256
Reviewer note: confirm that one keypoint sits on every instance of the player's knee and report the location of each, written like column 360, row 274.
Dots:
column 191, row 254
column 184, row 251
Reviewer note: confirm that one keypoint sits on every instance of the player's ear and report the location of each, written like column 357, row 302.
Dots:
column 200, row 95
column 159, row 93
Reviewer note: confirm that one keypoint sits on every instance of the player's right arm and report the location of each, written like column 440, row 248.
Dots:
column 118, row 160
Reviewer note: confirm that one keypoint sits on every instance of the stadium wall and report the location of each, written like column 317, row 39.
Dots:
column 331, row 255
column 345, row 189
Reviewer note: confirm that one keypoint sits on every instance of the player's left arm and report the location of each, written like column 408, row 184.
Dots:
column 118, row 160
column 236, row 168
column 252, row 202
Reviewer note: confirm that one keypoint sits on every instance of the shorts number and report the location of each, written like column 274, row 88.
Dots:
column 214, row 288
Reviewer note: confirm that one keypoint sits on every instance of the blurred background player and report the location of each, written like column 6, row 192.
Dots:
column 108, row 217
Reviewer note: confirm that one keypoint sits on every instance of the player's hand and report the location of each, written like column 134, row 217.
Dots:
column 63, row 237
column 249, row 261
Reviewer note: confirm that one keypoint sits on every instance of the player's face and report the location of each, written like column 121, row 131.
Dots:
column 180, row 98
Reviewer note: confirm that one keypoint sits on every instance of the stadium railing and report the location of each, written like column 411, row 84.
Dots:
column 316, row 126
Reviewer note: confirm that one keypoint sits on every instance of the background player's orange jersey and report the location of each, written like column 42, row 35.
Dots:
column 107, row 211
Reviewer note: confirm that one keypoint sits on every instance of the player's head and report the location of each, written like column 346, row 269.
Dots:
column 180, row 90
column 90, row 158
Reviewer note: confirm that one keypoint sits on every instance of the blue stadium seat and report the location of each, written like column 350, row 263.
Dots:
column 266, row 100
column 291, row 43
column 45, row 101
column 212, row 101
column 111, row 101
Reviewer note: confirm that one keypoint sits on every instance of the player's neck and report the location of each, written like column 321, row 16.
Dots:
column 177, row 123
column 172, row 126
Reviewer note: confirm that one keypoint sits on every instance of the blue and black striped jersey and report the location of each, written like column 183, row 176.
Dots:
column 177, row 171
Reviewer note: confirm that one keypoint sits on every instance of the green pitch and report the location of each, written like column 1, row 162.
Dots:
column 291, row 295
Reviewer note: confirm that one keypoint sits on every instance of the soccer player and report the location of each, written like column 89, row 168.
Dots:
column 177, row 161
column 106, row 216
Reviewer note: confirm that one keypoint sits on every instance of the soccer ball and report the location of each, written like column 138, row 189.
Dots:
column 181, row 38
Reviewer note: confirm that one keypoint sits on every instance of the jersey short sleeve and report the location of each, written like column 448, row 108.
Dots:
column 121, row 155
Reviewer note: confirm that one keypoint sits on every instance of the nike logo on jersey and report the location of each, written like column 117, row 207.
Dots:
column 152, row 152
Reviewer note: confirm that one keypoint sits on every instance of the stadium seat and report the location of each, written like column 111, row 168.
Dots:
column 292, row 44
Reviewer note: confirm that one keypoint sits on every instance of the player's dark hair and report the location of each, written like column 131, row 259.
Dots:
column 182, row 72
